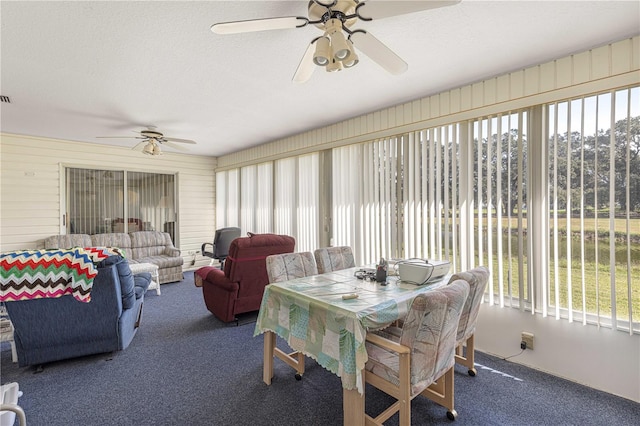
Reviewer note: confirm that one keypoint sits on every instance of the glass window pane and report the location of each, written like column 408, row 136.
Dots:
column 94, row 200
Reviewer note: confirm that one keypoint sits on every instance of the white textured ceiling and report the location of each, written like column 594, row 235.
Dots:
column 75, row 70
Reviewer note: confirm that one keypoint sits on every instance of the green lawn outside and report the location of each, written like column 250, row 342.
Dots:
column 592, row 303
column 620, row 224
column 597, row 294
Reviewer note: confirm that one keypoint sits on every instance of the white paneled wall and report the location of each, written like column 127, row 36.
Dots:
column 30, row 188
column 603, row 68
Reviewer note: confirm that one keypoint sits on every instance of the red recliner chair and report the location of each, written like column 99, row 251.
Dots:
column 240, row 287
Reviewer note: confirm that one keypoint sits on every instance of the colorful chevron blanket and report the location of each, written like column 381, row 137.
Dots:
column 98, row 254
column 33, row 274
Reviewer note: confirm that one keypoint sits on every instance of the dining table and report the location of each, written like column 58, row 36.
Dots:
column 326, row 317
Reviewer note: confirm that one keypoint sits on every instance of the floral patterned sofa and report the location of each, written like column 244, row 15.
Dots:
column 139, row 247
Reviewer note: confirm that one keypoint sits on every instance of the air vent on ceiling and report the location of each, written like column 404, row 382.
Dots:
column 5, row 99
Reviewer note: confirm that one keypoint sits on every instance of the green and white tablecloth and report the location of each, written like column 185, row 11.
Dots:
column 310, row 314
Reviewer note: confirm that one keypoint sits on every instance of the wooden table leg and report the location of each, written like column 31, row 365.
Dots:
column 353, row 407
column 267, row 367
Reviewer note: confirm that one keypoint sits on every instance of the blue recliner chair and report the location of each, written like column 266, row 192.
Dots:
column 53, row 329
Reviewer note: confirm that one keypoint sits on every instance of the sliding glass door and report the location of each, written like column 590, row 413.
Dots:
column 96, row 202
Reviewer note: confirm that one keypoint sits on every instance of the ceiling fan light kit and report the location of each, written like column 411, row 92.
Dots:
column 352, row 59
column 322, row 57
column 152, row 149
column 334, row 66
column 338, row 40
column 148, row 149
column 334, row 50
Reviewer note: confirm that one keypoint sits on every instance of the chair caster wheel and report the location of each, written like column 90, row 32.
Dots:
column 298, row 376
column 452, row 415
column 472, row 372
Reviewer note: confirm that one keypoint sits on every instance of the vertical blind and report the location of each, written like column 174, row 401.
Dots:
column 256, row 198
column 286, row 196
column 429, row 170
column 264, row 198
column 397, row 197
column 280, row 197
column 96, row 201
column 297, row 199
column 365, row 199
column 497, row 204
column 594, row 183
column 228, row 198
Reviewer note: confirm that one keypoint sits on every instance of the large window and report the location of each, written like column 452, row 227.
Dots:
column 497, row 193
column 556, row 220
column 96, row 201
column 594, row 190
column 547, row 197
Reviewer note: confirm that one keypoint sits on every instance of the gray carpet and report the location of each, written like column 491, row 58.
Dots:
column 184, row 367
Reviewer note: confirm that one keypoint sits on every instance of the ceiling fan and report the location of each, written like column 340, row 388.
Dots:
column 334, row 18
column 151, row 141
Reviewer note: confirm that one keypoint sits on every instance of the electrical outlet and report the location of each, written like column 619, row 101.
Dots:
column 527, row 339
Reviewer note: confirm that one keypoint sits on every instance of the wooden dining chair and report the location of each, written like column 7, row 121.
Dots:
column 285, row 267
column 331, row 259
column 477, row 278
column 420, row 361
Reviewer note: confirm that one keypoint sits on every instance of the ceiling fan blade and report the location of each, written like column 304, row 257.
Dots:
column 178, row 140
column 139, row 145
column 259, row 25
column 174, row 146
column 383, row 9
column 378, row 52
column 119, row 137
column 306, row 67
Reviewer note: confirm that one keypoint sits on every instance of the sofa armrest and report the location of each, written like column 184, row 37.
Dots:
column 172, row 252
column 142, row 281
column 217, row 278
